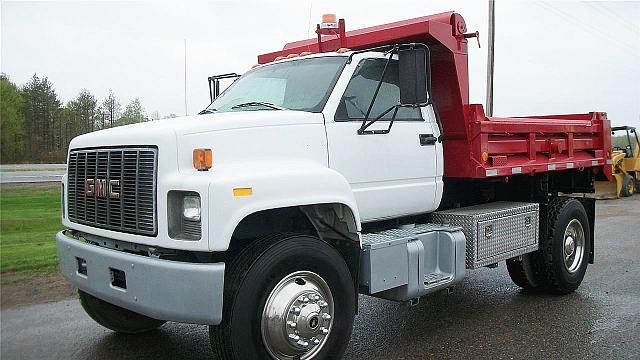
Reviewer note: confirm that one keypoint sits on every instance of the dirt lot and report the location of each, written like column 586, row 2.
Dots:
column 26, row 289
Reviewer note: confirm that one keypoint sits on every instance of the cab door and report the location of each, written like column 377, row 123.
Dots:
column 391, row 174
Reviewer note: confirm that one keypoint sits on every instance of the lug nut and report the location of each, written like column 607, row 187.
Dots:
column 294, row 337
column 326, row 316
column 292, row 324
column 305, row 299
column 316, row 341
column 324, row 330
column 322, row 303
column 303, row 343
column 295, row 310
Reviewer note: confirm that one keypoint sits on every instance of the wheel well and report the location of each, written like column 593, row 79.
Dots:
column 333, row 223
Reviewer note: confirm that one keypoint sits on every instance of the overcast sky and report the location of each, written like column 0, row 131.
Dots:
column 551, row 57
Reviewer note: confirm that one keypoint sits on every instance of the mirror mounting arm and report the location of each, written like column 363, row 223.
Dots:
column 391, row 50
column 365, row 125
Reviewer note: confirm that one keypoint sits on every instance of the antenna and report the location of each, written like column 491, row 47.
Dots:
column 309, row 22
column 185, row 77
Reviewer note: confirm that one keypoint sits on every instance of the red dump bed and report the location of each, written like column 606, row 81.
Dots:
column 476, row 146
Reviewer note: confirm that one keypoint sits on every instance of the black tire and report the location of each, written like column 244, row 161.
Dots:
column 116, row 318
column 628, row 186
column 550, row 270
column 521, row 272
column 254, row 273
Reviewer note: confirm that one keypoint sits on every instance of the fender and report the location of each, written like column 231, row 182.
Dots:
column 274, row 184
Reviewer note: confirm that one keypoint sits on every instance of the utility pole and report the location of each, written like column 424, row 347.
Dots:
column 492, row 36
column 185, row 77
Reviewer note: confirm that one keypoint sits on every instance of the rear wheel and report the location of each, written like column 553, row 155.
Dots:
column 116, row 318
column 628, row 186
column 521, row 271
column 286, row 297
column 561, row 262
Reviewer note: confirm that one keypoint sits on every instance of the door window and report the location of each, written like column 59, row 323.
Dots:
column 357, row 97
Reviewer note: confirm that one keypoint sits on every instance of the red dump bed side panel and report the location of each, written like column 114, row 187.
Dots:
column 498, row 147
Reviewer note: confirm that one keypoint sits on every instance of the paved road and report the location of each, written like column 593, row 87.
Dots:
column 486, row 317
column 31, row 173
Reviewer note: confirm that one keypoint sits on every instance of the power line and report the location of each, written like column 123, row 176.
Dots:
column 587, row 27
column 612, row 14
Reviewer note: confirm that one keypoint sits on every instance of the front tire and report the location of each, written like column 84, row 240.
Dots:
column 628, row 186
column 565, row 244
column 286, row 297
column 116, row 318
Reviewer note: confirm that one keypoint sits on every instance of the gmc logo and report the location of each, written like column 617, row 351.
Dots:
column 100, row 188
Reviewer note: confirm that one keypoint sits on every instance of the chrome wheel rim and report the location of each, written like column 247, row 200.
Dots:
column 573, row 246
column 297, row 317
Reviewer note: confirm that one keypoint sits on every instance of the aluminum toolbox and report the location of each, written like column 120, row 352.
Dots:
column 494, row 232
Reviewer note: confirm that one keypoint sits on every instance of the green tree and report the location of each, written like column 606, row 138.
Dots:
column 133, row 113
column 11, row 121
column 85, row 106
column 111, row 109
column 41, row 107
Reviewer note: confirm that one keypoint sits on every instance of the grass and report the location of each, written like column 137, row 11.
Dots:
column 29, row 220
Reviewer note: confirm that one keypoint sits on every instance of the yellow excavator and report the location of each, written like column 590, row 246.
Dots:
column 626, row 166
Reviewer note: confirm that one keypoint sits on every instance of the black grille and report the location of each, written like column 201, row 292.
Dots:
column 113, row 189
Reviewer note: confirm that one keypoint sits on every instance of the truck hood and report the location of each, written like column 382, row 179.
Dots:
column 235, row 137
column 161, row 131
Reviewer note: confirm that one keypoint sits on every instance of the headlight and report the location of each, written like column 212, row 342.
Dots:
column 191, row 208
column 184, row 215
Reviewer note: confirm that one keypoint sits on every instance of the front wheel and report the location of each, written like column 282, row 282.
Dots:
column 116, row 318
column 628, row 186
column 286, row 297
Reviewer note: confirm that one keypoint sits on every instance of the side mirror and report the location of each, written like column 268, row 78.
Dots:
column 412, row 66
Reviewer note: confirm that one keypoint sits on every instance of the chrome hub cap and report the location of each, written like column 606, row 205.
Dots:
column 573, row 249
column 297, row 317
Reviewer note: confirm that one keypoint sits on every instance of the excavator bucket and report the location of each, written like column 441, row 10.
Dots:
column 609, row 189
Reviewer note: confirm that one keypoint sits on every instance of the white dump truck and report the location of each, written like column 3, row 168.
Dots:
column 344, row 165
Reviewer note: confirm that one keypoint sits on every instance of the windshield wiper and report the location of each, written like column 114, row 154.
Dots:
column 258, row 103
column 207, row 111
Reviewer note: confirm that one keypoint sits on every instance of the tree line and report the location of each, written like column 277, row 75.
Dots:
column 36, row 127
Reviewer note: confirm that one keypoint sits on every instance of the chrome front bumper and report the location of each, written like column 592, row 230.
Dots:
column 161, row 289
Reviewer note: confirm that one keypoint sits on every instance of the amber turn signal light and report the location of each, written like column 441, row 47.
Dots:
column 202, row 159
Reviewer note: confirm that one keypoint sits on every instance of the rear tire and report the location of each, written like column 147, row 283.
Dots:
column 628, row 186
column 116, row 318
column 282, row 287
column 521, row 272
column 561, row 262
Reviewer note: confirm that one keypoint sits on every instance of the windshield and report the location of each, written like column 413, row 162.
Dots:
column 303, row 84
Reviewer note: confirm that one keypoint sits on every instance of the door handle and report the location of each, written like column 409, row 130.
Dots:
column 427, row 139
